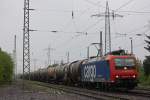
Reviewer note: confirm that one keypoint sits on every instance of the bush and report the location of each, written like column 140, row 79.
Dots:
column 144, row 80
column 146, row 65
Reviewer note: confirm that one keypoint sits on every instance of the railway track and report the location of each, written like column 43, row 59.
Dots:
column 143, row 89
column 140, row 92
column 97, row 95
column 136, row 94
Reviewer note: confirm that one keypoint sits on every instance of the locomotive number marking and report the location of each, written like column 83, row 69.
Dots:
column 90, row 72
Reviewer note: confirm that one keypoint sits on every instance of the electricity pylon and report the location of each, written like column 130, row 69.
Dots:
column 107, row 16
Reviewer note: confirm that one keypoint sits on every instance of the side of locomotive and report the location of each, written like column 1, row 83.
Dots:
column 118, row 71
column 95, row 71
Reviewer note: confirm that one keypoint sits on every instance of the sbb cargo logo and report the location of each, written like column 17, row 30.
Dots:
column 89, row 72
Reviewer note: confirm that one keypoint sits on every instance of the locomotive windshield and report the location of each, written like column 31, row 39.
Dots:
column 124, row 62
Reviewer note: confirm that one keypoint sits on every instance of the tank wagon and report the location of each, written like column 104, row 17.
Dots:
column 111, row 70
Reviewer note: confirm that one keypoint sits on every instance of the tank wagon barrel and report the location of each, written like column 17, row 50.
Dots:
column 60, row 72
column 74, row 71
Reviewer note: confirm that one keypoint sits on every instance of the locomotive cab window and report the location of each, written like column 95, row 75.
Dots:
column 120, row 63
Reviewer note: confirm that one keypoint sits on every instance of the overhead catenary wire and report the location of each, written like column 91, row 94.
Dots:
column 125, row 4
column 134, row 31
column 57, row 10
column 73, row 16
column 76, row 18
column 95, row 4
column 83, row 11
column 58, row 32
column 93, row 25
column 139, row 12
column 84, row 32
column 74, row 24
column 122, row 11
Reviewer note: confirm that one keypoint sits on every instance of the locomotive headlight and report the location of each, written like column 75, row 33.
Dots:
column 125, row 68
column 117, row 76
column 133, row 76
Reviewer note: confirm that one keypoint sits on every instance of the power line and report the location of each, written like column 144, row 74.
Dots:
column 127, row 3
column 72, row 21
column 70, row 40
column 139, row 12
column 137, row 29
column 138, row 45
column 57, row 10
column 132, row 31
column 59, row 32
column 95, row 4
column 70, row 11
column 91, row 26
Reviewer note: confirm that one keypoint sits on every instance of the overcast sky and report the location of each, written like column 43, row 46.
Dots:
column 56, row 15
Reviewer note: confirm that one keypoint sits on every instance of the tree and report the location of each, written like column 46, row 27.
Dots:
column 148, row 44
column 146, row 63
column 6, row 67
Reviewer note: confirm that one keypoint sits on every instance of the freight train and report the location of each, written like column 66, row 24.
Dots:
column 116, row 69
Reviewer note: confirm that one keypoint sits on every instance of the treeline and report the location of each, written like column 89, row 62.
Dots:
column 6, row 67
column 145, row 70
column 146, row 63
